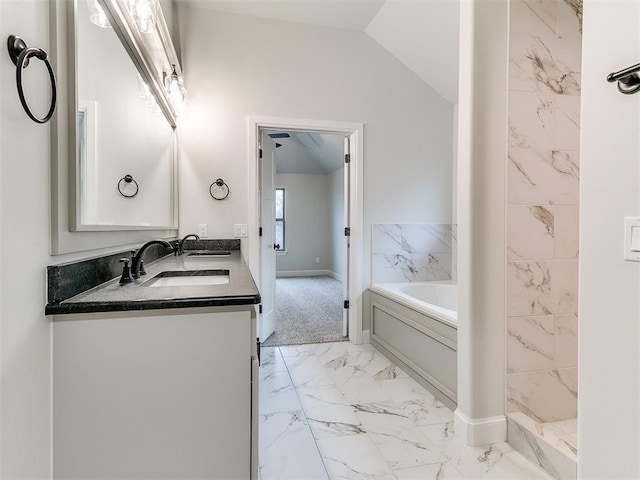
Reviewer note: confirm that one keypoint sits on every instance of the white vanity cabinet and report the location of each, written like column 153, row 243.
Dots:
column 155, row 394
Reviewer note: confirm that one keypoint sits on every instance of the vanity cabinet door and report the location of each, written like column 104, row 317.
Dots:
column 153, row 396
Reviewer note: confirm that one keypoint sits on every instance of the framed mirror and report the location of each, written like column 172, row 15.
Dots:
column 114, row 159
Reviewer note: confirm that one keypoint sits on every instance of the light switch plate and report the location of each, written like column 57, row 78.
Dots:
column 632, row 239
column 240, row 230
column 202, row 230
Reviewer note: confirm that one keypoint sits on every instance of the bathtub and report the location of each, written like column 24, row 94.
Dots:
column 436, row 299
column 416, row 325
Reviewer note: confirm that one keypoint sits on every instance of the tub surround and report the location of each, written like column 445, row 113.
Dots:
column 542, row 208
column 111, row 296
column 412, row 252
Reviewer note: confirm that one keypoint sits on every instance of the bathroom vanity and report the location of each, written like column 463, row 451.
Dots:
column 158, row 381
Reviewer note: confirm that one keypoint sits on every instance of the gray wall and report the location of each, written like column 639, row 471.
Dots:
column 308, row 222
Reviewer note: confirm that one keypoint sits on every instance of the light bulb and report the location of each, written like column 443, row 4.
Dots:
column 143, row 13
column 176, row 91
column 97, row 16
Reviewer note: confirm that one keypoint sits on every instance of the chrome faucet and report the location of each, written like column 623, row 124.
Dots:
column 180, row 243
column 136, row 261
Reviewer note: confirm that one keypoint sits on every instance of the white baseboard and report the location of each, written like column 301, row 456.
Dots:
column 308, row 273
column 482, row 431
column 303, row 273
column 366, row 336
column 335, row 275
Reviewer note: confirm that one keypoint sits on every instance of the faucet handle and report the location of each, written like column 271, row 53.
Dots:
column 126, row 271
column 142, row 271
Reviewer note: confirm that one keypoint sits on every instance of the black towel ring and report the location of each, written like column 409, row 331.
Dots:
column 20, row 55
column 219, row 190
column 127, row 179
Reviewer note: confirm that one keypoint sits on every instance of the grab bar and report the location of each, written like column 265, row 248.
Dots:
column 628, row 79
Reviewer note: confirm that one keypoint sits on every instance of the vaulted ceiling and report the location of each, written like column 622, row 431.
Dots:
column 422, row 34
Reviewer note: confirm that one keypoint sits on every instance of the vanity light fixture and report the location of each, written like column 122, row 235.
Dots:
column 174, row 84
column 97, row 15
column 143, row 12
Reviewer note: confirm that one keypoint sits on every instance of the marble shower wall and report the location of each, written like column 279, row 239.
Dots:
column 542, row 207
column 412, row 252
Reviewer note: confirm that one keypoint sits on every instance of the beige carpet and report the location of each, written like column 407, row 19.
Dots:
column 308, row 310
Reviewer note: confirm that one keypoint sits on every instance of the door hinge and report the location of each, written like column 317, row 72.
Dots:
column 347, row 232
column 260, row 308
column 260, row 153
column 346, row 304
column 260, row 232
column 347, row 158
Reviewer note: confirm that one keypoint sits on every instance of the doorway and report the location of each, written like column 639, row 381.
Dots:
column 264, row 248
column 310, row 181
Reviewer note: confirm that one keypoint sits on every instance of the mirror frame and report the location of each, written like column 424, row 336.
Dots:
column 67, row 235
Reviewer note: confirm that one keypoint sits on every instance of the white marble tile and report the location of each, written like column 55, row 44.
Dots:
column 306, row 371
column 277, row 393
column 532, row 120
column 287, row 448
column 530, row 471
column 329, row 414
column 530, row 233
column 536, row 17
column 542, row 288
column 567, row 122
column 489, row 461
column 566, row 340
column 408, row 400
column 543, row 64
column 569, row 13
column 436, row 471
column 566, row 426
column 530, row 343
column 411, row 238
column 353, row 457
column 399, row 440
column 418, row 267
column 567, row 231
column 541, row 446
column 271, row 360
column 542, row 177
column 530, row 392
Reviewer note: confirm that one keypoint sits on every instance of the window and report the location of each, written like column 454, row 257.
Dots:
column 279, row 238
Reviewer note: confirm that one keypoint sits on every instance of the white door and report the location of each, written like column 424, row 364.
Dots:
column 267, row 224
column 347, row 239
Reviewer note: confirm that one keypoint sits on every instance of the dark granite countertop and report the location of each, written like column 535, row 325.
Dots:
column 114, row 297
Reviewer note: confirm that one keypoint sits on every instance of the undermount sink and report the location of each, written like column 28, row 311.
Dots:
column 210, row 253
column 189, row 278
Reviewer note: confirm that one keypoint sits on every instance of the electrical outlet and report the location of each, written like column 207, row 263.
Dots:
column 202, row 230
column 317, row 260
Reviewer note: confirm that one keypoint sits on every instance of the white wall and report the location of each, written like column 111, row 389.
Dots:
column 307, row 222
column 336, row 198
column 433, row 25
column 609, row 334
column 262, row 67
column 482, row 141
column 25, row 383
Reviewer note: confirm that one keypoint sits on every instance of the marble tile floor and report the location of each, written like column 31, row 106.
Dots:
column 344, row 411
